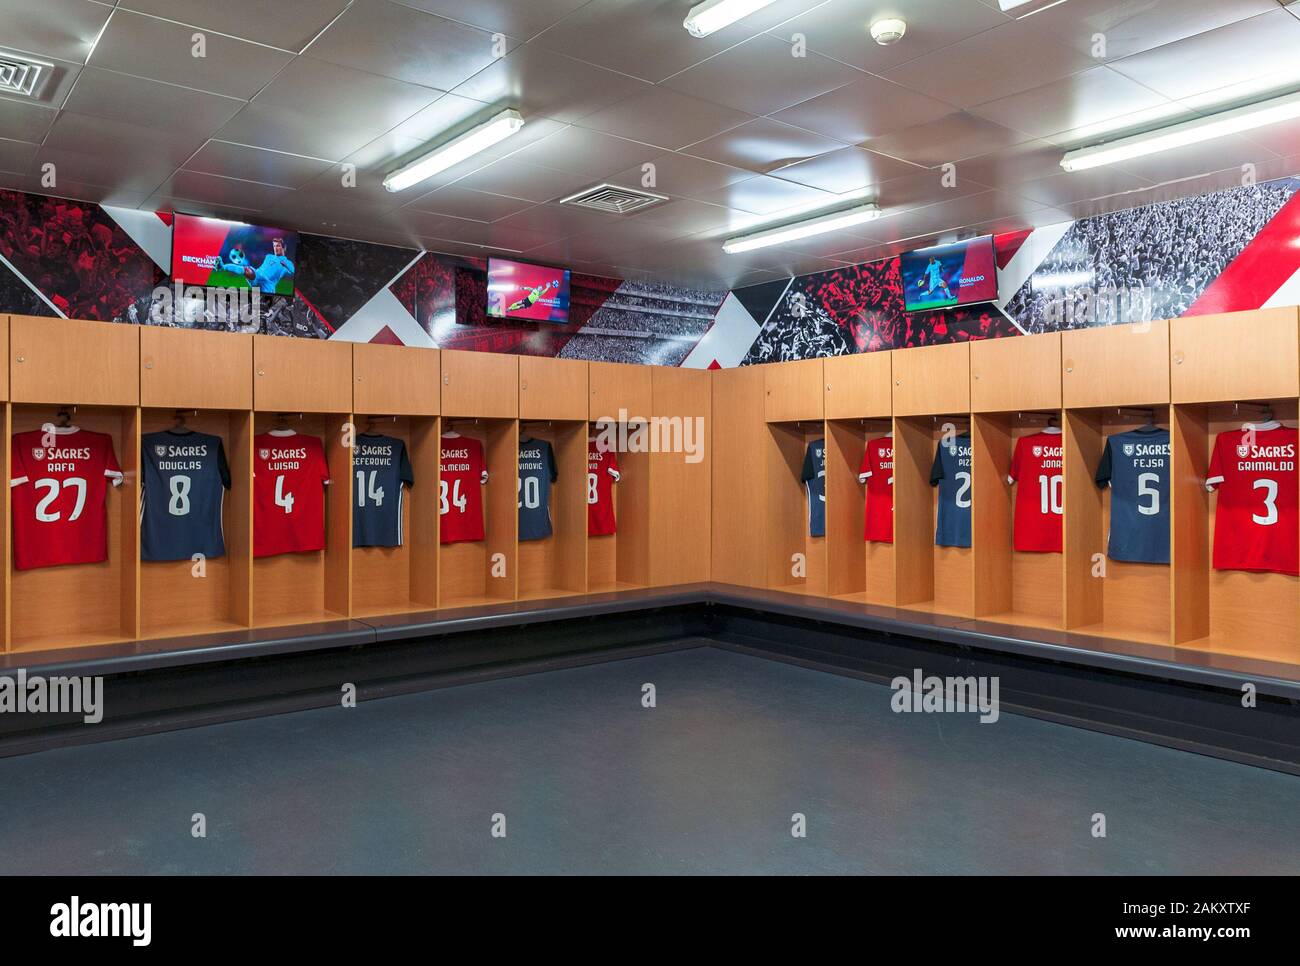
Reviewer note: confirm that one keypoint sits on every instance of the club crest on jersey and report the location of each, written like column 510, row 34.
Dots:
column 160, row 450
column 1243, row 450
column 264, row 454
column 1038, row 451
column 38, row 452
column 1128, row 449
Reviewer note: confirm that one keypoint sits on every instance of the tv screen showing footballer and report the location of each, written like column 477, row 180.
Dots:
column 516, row 290
column 945, row 275
column 231, row 254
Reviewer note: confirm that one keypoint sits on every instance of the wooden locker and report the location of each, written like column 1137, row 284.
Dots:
column 680, row 477
column 859, row 385
column 617, row 387
column 1116, row 365
column 1237, row 356
column 4, row 371
column 395, row 380
column 739, row 516
column 66, row 361
column 187, row 369
column 846, row 555
column 932, row 379
column 557, row 565
column 552, row 388
column 301, row 375
column 482, row 384
column 794, row 391
column 1020, row 372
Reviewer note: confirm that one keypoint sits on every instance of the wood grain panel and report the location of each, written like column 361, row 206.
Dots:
column 425, row 449
column 991, row 496
column 1083, row 533
column 1116, row 365
column 859, row 385
column 480, row 384
column 846, row 557
column 1022, row 372
column 1240, row 355
column 553, row 388
column 301, row 375
column 739, row 454
column 615, row 387
column 680, row 490
column 793, row 390
column 932, row 379
column 193, row 369
column 66, row 361
column 914, row 510
column 1189, row 522
column 396, row 380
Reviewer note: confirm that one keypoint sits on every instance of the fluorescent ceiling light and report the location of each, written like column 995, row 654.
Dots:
column 834, row 221
column 1179, row 135
column 455, row 151
column 712, row 15
column 1008, row 6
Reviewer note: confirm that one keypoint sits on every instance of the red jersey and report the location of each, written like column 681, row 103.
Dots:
column 1255, row 521
column 1036, row 466
column 877, row 472
column 289, row 477
column 59, row 481
column 462, row 473
column 602, row 474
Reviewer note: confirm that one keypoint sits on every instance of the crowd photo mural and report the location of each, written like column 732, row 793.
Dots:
column 1230, row 250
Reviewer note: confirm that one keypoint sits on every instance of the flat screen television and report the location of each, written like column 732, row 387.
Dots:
column 231, row 254
column 517, row 290
column 960, row 273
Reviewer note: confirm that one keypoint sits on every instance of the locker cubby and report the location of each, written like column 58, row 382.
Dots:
column 930, row 577
column 465, row 570
column 557, row 565
column 187, row 597
column 788, row 512
column 300, row 588
column 1104, row 597
column 1011, row 587
column 388, row 580
column 85, row 604
column 1234, row 612
column 857, row 569
column 621, row 560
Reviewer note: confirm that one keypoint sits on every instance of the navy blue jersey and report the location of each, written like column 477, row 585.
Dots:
column 1136, row 466
column 381, row 470
column 814, row 483
column 185, row 479
column 951, row 474
column 536, row 474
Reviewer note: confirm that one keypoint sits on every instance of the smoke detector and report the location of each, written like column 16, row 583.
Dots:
column 888, row 31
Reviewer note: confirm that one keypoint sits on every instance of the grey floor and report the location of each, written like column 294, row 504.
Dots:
column 591, row 782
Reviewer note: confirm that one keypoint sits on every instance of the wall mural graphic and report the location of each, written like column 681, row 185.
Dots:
column 82, row 260
column 1225, row 251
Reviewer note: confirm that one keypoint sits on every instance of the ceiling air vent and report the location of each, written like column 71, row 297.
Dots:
column 21, row 75
column 614, row 200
